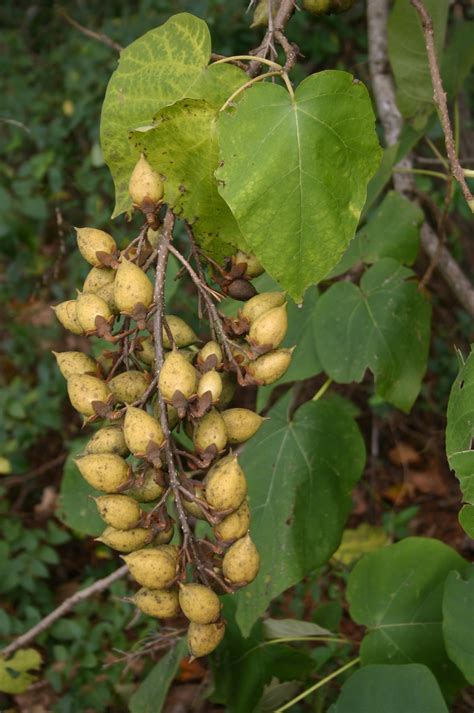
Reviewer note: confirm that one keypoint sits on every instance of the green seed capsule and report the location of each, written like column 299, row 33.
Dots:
column 261, row 303
column 71, row 363
column 270, row 328
column 83, row 390
column 66, row 314
column 210, row 431
column 204, row 638
column 91, row 241
column 177, row 374
column 131, row 287
column 271, row 366
column 98, row 278
column 128, row 386
column 241, row 424
column 154, row 568
column 118, row 511
column 235, row 525
column 107, row 440
column 90, row 306
column 241, row 561
column 160, row 603
column 140, row 429
column 182, row 333
column 199, row 603
column 104, row 471
column 226, row 486
column 146, row 488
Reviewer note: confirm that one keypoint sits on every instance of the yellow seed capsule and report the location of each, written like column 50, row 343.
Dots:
column 226, row 486
column 107, row 440
column 83, row 390
column 91, row 241
column 173, row 417
column 160, row 603
column 90, row 306
column 106, row 293
column 271, row 366
column 261, row 303
column 270, row 328
column 204, row 638
column 182, row 333
column 153, row 237
column 210, row 349
column 241, row 424
column 235, row 525
column 254, row 268
column 229, row 384
column 241, row 561
column 145, row 184
column 210, row 431
column 104, row 471
column 146, row 488
column 154, row 568
column 193, row 507
column 66, row 313
column 164, row 536
column 124, row 540
column 131, row 287
column 128, row 386
column 146, row 353
column 119, row 511
column 199, row 603
column 210, row 381
column 97, row 278
column 177, row 374
column 140, row 429
column 71, row 363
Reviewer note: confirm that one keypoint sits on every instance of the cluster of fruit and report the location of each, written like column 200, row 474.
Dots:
column 141, row 501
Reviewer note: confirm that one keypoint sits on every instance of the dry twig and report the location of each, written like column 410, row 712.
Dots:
column 99, row 36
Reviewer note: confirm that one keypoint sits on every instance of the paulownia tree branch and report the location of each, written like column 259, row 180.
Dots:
column 392, row 122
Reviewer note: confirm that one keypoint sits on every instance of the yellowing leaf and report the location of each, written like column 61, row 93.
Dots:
column 357, row 542
column 15, row 676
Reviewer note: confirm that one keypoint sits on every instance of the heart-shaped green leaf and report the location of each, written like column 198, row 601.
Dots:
column 383, row 325
column 295, row 171
column 458, row 621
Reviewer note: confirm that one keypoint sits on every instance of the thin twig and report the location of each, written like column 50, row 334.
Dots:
column 99, row 36
column 284, row 12
column 99, row 586
column 439, row 98
column 40, row 470
column 392, row 121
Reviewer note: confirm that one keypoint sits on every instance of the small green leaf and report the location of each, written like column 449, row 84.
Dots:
column 393, row 231
column 300, row 475
column 76, row 508
column 287, row 628
column 295, row 172
column 458, row 621
column 151, row 695
column 397, row 593
column 459, row 437
column 383, row 325
column 15, row 676
column 411, row 688
column 408, row 56
column 182, row 146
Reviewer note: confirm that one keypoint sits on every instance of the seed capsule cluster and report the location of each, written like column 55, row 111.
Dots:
column 148, row 413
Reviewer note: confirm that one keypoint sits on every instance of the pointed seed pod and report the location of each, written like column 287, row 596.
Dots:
column 241, row 424
column 210, row 431
column 128, row 386
column 235, row 525
column 204, row 638
column 177, row 374
column 66, row 314
column 90, row 306
column 83, row 390
column 270, row 328
column 154, row 568
column 229, row 384
column 90, row 241
column 241, row 561
column 199, row 603
column 182, row 333
column 139, row 429
column 269, row 367
column 106, row 293
column 261, row 303
column 108, row 439
column 210, row 381
column 145, row 184
column 70, row 363
column 97, row 278
column 131, row 287
column 193, row 507
column 254, row 268
column 173, row 417
column 119, row 511
column 146, row 353
column 146, row 488
column 153, row 237
column 124, row 540
column 210, row 349
column 164, row 536
column 160, row 603
column 226, row 486
column 104, row 471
